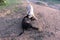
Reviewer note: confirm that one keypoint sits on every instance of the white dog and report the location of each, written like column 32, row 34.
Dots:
column 30, row 11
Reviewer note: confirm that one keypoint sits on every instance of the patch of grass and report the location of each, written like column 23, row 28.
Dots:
column 10, row 2
column 53, row 1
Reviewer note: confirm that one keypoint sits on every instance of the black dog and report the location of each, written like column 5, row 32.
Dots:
column 26, row 23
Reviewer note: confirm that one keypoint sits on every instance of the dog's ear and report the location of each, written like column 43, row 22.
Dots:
column 26, row 16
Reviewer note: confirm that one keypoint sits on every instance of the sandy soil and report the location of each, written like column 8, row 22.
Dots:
column 48, row 20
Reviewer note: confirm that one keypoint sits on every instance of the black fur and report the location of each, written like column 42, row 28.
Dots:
column 26, row 23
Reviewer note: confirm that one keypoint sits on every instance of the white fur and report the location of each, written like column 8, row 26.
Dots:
column 30, row 11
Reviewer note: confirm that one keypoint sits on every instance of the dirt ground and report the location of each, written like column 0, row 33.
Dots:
column 48, row 19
